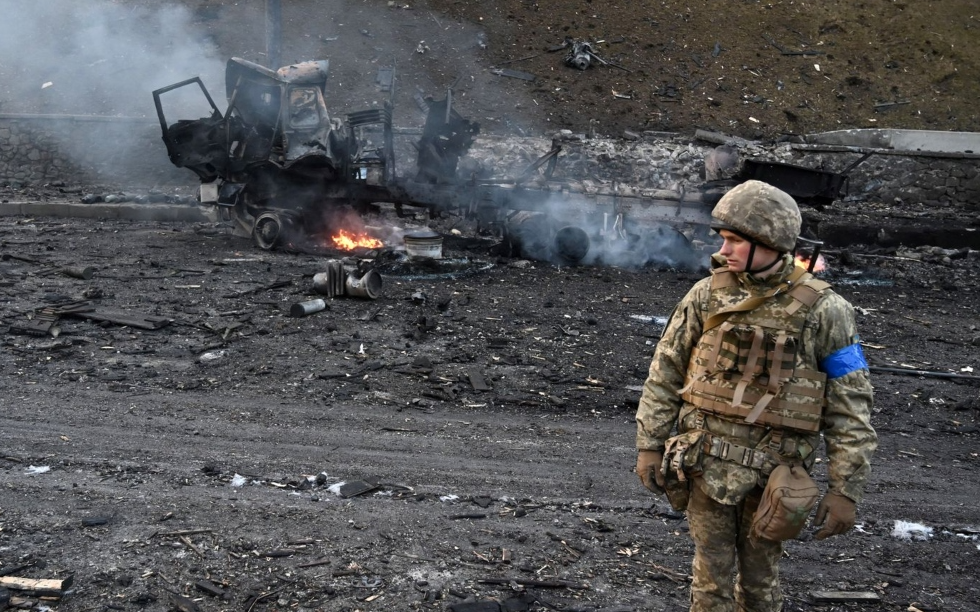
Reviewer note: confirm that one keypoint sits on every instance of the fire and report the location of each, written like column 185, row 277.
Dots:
column 804, row 262
column 348, row 241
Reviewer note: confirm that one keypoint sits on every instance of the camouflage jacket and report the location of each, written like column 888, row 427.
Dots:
column 846, row 428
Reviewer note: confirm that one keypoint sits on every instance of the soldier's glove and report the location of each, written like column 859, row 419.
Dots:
column 648, row 464
column 838, row 512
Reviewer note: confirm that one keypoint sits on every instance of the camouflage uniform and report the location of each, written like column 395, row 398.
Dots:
column 725, row 493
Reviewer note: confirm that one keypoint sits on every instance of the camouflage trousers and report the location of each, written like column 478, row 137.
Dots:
column 721, row 539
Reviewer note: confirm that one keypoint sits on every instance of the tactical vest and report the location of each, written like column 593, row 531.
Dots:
column 746, row 366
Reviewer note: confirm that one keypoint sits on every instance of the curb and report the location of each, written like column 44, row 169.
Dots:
column 127, row 211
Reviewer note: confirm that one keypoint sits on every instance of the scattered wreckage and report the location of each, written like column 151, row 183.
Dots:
column 279, row 165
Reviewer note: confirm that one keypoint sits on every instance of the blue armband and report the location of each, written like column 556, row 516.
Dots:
column 846, row 360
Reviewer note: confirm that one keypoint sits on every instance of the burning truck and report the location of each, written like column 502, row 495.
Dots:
column 278, row 164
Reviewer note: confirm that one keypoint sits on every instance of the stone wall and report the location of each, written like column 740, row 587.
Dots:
column 91, row 150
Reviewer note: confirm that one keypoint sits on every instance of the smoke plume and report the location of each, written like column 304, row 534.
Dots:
column 97, row 57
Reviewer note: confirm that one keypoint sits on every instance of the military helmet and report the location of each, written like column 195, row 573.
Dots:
column 761, row 213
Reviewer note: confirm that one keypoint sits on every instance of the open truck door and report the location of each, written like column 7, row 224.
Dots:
column 200, row 145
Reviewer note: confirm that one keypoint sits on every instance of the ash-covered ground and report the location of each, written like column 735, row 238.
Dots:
column 490, row 402
column 182, row 443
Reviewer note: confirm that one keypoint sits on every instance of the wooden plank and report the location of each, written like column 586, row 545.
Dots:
column 842, row 596
column 38, row 586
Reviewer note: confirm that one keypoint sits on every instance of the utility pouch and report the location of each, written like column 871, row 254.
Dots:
column 678, row 492
column 682, row 458
column 732, row 352
column 786, row 503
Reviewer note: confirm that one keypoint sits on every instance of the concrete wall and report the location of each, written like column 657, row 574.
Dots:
column 89, row 150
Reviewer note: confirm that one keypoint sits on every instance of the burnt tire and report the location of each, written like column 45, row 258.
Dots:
column 268, row 230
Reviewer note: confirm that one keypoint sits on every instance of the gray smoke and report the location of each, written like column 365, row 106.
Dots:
column 97, row 57
column 556, row 235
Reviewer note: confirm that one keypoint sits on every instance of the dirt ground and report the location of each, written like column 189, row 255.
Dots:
column 754, row 69
column 492, row 405
column 489, row 401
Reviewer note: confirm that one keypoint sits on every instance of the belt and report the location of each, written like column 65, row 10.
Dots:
column 717, row 446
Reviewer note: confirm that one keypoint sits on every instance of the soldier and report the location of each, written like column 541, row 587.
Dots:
column 756, row 362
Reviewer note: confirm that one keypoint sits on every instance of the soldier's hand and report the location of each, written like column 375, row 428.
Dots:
column 648, row 465
column 836, row 514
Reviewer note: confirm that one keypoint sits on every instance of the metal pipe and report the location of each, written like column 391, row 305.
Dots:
column 301, row 309
column 273, row 33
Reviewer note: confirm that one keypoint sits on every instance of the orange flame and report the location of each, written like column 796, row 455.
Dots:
column 348, row 241
column 804, row 262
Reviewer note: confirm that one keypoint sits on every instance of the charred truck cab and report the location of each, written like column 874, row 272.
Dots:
column 276, row 158
column 280, row 166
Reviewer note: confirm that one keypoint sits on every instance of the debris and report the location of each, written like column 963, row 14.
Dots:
column 9, row 571
column 330, row 282
column 183, row 604
column 888, row 105
column 385, row 78
column 278, row 553
column 469, row 515
column 544, row 584
column 926, row 373
column 843, row 596
column 208, row 587
column 275, row 285
column 187, row 542
column 477, row 381
column 316, row 563
column 185, row 532
column 359, row 487
column 581, row 54
column 905, row 530
column 85, row 310
column 367, row 286
column 807, row 185
column 211, row 356
column 514, row 74
column 41, row 587
column 79, row 272
column 302, row 309
column 482, row 501
column 42, row 324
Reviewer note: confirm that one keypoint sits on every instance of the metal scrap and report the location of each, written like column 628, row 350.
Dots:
column 514, row 74
column 581, row 53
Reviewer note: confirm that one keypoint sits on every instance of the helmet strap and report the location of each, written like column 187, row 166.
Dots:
column 748, row 263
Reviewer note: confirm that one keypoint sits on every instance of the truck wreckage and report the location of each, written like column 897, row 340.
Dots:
column 281, row 167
